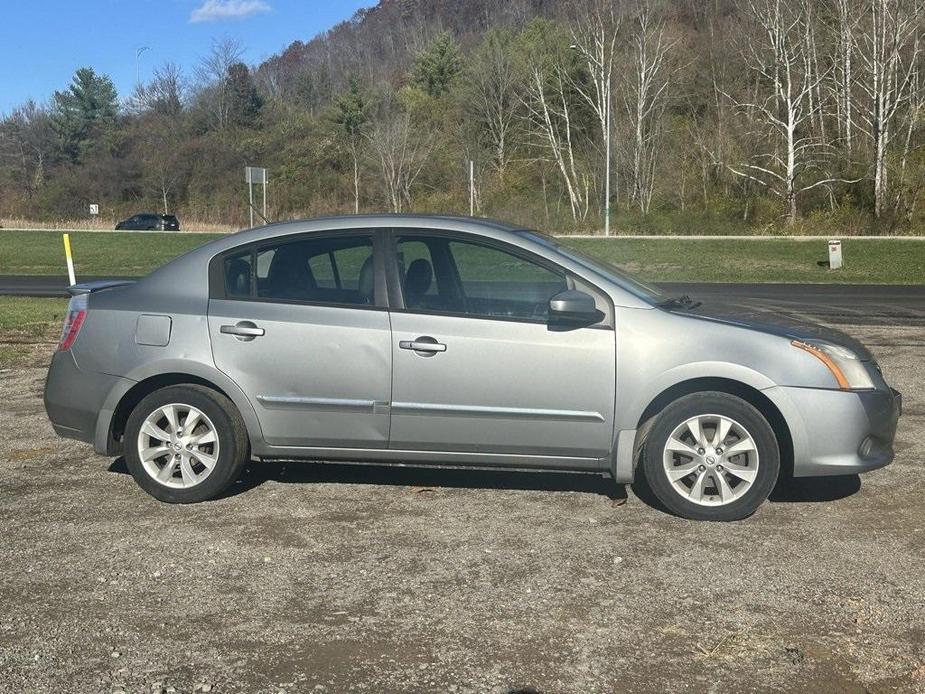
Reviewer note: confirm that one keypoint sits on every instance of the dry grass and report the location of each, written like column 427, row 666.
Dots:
column 105, row 224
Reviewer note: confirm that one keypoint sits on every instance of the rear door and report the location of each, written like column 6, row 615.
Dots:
column 301, row 326
column 477, row 367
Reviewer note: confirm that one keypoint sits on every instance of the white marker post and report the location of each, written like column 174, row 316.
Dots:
column 835, row 259
column 70, row 259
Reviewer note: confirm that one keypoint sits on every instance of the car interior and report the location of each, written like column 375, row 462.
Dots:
column 336, row 271
column 443, row 275
column 437, row 274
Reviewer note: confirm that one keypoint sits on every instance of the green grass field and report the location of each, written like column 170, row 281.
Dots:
column 869, row 261
column 866, row 261
column 95, row 253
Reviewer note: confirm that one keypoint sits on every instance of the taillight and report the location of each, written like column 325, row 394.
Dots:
column 76, row 314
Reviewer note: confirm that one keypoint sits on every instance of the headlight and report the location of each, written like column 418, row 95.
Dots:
column 848, row 370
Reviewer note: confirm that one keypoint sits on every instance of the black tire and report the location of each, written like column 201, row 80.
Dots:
column 711, row 403
column 233, row 452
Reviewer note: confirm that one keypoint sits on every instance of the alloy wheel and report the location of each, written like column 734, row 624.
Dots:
column 178, row 445
column 711, row 460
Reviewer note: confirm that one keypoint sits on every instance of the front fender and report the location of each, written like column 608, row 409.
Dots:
column 643, row 396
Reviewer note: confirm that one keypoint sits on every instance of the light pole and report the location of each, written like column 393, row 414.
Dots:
column 607, row 168
column 138, row 52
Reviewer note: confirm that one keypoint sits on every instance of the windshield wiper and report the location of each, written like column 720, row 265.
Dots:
column 676, row 302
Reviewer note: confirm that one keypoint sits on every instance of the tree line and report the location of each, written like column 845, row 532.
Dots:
column 721, row 115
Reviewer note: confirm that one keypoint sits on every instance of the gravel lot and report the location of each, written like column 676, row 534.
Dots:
column 350, row 578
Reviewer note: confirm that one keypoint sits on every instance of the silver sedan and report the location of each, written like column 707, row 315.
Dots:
column 438, row 340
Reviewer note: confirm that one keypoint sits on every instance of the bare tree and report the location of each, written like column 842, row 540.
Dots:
column 164, row 94
column 790, row 157
column 551, row 105
column 594, row 36
column 27, row 141
column 162, row 156
column 401, row 151
column 847, row 18
column 645, row 98
column 213, row 74
column 907, row 192
column 494, row 85
column 888, row 49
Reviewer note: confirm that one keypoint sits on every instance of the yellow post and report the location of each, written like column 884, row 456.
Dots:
column 70, row 259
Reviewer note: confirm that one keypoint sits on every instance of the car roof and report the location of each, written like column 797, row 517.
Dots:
column 488, row 227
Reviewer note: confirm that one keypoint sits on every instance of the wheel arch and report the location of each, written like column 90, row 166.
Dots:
column 111, row 424
column 746, row 392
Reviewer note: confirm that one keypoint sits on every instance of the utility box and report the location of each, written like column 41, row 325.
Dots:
column 835, row 259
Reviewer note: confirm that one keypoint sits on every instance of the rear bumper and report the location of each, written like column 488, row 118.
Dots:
column 837, row 432
column 74, row 398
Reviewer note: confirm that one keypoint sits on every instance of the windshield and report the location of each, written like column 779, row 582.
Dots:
column 600, row 267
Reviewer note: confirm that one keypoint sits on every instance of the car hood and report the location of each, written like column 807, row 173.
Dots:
column 778, row 324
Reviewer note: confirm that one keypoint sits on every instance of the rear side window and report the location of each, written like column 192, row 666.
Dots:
column 238, row 276
column 333, row 270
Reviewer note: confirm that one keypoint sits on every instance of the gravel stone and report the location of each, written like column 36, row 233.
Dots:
column 498, row 582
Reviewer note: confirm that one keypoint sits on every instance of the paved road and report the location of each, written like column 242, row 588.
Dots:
column 858, row 304
column 847, row 303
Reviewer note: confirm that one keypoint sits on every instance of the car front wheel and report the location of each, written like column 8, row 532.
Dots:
column 711, row 456
column 185, row 444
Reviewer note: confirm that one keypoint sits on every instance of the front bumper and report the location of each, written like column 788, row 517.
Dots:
column 839, row 432
column 74, row 398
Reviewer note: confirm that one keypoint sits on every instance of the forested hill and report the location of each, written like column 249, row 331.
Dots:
column 379, row 43
column 725, row 117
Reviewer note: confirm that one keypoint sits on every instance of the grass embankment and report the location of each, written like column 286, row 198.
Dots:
column 29, row 326
column 867, row 261
column 118, row 253
column 188, row 225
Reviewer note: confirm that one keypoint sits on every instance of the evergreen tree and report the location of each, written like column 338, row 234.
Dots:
column 244, row 102
column 437, row 66
column 84, row 111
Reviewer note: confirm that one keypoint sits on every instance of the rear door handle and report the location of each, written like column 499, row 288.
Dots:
column 244, row 330
column 425, row 344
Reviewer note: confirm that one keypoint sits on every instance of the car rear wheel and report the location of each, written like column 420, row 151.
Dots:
column 185, row 444
column 711, row 456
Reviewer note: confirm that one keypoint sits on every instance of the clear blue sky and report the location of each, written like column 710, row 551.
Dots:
column 45, row 41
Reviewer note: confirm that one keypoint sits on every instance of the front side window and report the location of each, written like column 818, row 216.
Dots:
column 333, row 270
column 446, row 275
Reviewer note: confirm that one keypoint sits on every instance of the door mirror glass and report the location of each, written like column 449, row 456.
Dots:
column 574, row 306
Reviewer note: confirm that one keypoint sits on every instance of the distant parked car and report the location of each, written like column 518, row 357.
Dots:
column 148, row 221
column 404, row 339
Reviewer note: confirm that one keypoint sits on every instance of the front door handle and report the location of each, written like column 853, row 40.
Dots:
column 243, row 330
column 424, row 345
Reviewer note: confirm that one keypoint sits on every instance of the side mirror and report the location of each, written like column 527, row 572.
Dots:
column 573, row 306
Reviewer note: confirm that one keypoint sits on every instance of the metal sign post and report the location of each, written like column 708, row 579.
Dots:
column 252, row 175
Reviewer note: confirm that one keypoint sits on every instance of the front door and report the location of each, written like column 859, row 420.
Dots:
column 299, row 326
column 476, row 366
